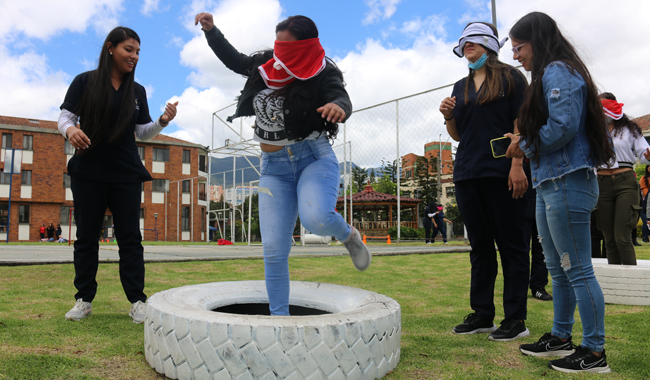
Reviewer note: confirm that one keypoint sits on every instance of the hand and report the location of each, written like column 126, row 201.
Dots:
column 646, row 154
column 517, row 181
column 447, row 107
column 513, row 150
column 205, row 19
column 170, row 113
column 332, row 112
column 77, row 138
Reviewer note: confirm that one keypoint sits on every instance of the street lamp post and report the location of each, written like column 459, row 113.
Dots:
column 155, row 224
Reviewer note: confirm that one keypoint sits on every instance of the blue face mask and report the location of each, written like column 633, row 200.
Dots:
column 479, row 62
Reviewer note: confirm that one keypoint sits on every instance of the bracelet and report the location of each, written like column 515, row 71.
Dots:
column 452, row 116
column 161, row 122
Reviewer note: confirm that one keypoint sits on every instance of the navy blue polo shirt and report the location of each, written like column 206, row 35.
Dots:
column 477, row 125
column 118, row 161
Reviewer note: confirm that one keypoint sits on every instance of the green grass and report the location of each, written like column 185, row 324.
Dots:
column 37, row 343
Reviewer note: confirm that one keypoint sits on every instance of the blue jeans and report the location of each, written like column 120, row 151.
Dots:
column 302, row 178
column 563, row 213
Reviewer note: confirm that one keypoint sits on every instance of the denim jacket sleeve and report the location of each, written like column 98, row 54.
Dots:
column 231, row 57
column 564, row 93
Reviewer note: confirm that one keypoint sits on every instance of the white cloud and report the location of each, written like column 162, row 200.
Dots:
column 34, row 90
column 149, row 6
column 44, row 18
column 380, row 10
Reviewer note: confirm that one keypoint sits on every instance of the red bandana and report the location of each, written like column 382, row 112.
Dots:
column 612, row 108
column 293, row 60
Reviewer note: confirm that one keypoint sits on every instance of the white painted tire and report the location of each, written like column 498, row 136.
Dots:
column 185, row 339
column 624, row 284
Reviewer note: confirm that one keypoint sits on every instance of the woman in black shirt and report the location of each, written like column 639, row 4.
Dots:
column 106, row 170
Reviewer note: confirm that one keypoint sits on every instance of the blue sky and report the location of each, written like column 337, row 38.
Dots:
column 387, row 48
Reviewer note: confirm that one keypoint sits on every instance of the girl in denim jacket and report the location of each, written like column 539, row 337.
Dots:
column 563, row 133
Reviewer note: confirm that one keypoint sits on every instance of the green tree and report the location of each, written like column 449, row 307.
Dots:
column 253, row 216
column 359, row 177
column 427, row 182
column 385, row 185
column 389, row 168
column 373, row 178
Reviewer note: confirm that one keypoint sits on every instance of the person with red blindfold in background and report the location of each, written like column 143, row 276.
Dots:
column 619, row 201
column 297, row 96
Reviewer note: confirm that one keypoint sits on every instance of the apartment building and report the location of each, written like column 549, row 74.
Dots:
column 173, row 206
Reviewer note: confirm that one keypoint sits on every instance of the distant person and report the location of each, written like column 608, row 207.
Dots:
column 427, row 222
column 483, row 106
column 50, row 231
column 58, row 231
column 644, row 183
column 42, row 231
column 298, row 98
column 619, row 200
column 106, row 170
column 564, row 134
column 440, row 224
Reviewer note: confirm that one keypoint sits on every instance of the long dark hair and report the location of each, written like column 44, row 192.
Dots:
column 646, row 175
column 302, row 28
column 549, row 45
column 493, row 88
column 623, row 122
column 96, row 107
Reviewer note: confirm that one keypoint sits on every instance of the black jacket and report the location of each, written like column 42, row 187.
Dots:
column 300, row 116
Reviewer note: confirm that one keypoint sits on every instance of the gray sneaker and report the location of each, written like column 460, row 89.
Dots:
column 80, row 311
column 137, row 312
column 359, row 253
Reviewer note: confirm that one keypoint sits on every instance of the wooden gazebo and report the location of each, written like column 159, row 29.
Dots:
column 370, row 200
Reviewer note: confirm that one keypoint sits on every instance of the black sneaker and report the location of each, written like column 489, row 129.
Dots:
column 541, row 294
column 473, row 324
column 510, row 329
column 548, row 345
column 582, row 360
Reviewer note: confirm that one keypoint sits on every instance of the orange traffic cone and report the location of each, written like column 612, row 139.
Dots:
column 364, row 239
column 388, row 242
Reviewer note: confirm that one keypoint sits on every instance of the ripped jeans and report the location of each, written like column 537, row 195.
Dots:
column 302, row 178
column 563, row 214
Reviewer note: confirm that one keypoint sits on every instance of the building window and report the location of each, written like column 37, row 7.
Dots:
column 28, row 142
column 141, row 213
column 5, row 178
column 141, row 152
column 68, row 148
column 186, row 156
column 186, row 186
column 65, row 214
column 4, row 207
column 185, row 221
column 202, row 192
column 6, row 141
column 451, row 191
column 27, row 177
column 202, row 163
column 161, row 154
column 66, row 180
column 23, row 214
column 159, row 185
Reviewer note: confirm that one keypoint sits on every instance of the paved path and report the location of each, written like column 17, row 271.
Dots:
column 54, row 253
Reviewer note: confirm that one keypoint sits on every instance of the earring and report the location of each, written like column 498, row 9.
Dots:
column 110, row 53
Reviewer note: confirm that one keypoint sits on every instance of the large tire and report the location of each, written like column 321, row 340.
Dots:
column 185, row 339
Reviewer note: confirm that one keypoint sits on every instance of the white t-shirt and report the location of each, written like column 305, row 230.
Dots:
column 627, row 148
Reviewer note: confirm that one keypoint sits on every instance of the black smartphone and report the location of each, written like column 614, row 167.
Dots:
column 500, row 146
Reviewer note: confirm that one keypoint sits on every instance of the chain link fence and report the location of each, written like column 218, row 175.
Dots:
column 372, row 139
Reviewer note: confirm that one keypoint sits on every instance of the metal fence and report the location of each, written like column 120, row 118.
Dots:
column 382, row 132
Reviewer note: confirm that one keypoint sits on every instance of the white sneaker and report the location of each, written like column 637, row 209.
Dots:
column 359, row 253
column 80, row 311
column 137, row 312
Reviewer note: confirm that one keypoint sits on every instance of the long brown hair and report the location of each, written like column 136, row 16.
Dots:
column 623, row 122
column 495, row 71
column 549, row 45
column 96, row 106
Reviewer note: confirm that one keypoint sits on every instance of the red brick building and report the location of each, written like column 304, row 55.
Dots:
column 173, row 205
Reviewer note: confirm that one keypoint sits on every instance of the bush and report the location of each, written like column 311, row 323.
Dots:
column 407, row 233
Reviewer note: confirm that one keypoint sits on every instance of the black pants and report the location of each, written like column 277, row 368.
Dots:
column 491, row 215
column 90, row 201
column 427, row 232
column 538, row 270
